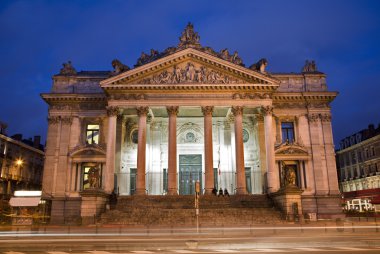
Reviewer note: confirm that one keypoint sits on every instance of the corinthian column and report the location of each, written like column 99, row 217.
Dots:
column 272, row 174
column 207, row 112
column 112, row 113
column 141, row 151
column 172, row 150
column 239, row 146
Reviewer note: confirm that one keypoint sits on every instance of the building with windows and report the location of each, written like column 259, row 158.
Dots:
column 358, row 163
column 21, row 163
column 184, row 115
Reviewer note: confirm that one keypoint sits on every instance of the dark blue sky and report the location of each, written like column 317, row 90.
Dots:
column 36, row 37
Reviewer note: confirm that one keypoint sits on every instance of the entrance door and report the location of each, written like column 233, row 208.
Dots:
column 248, row 182
column 132, row 179
column 190, row 171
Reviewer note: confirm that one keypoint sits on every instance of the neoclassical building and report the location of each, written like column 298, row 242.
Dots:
column 189, row 114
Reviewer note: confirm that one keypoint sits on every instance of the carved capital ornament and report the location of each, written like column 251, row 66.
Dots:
column 112, row 111
column 207, row 110
column 53, row 119
column 172, row 110
column 142, row 111
column 237, row 110
column 267, row 110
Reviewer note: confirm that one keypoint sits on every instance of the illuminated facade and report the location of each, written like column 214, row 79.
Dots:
column 183, row 115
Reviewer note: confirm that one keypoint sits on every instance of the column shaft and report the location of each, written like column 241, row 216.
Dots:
column 141, row 151
column 172, row 151
column 209, row 169
column 112, row 113
column 239, row 146
column 272, row 173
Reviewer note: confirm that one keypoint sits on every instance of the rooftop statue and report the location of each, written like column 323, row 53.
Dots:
column 309, row 66
column 68, row 69
column 260, row 65
column 119, row 67
column 189, row 38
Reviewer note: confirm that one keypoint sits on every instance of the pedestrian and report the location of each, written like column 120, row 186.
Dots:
column 214, row 191
column 220, row 192
column 226, row 192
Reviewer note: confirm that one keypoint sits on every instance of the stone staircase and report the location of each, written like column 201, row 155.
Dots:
column 178, row 211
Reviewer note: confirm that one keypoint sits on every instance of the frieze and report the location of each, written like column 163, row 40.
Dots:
column 53, row 119
column 92, row 106
column 252, row 96
column 318, row 105
column 128, row 97
column 289, row 105
column 207, row 110
column 112, row 111
column 190, row 74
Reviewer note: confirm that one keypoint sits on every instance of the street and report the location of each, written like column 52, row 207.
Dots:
column 113, row 240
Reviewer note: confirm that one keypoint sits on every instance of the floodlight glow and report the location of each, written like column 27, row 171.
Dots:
column 27, row 193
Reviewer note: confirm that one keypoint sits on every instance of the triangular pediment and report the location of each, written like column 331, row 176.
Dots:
column 190, row 66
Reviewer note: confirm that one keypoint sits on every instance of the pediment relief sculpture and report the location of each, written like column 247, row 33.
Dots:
column 290, row 148
column 88, row 149
column 190, row 73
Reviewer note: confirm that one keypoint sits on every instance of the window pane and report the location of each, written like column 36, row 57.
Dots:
column 93, row 127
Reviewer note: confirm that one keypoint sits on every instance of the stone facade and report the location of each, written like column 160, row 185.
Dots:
column 190, row 114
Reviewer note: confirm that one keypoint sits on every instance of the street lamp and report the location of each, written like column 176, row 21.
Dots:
column 19, row 162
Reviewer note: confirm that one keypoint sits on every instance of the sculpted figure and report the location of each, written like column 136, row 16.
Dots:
column 189, row 37
column 144, row 58
column 236, row 59
column 190, row 72
column 309, row 66
column 290, row 176
column 176, row 74
column 119, row 67
column 224, row 54
column 94, row 177
column 260, row 65
column 68, row 69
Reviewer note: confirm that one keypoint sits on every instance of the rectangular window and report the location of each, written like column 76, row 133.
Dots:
column 287, row 129
column 353, row 157
column 92, row 134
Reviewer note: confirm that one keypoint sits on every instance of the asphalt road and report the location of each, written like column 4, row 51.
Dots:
column 363, row 239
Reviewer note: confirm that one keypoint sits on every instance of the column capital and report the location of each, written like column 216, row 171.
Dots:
column 53, row 119
column 207, row 110
column 172, row 110
column 112, row 111
column 313, row 117
column 142, row 111
column 325, row 117
column 66, row 119
column 237, row 110
column 267, row 110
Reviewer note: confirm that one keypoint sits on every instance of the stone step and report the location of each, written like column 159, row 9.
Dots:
column 210, row 217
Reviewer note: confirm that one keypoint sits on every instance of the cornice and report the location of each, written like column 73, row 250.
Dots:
column 54, row 97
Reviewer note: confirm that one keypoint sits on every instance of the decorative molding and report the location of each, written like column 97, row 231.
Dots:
column 237, row 110
column 112, row 111
column 172, row 110
column 267, row 110
column 53, row 119
column 207, row 110
column 141, row 111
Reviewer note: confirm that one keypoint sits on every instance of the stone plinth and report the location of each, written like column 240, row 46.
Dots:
column 288, row 199
column 93, row 204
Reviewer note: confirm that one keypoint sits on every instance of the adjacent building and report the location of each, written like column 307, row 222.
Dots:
column 358, row 163
column 189, row 114
column 21, row 163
